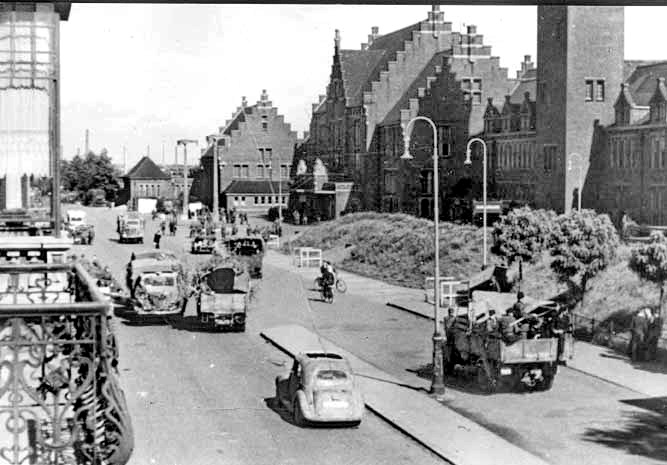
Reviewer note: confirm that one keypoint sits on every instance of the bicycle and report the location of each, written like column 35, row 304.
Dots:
column 340, row 285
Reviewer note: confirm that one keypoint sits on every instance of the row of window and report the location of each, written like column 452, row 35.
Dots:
column 595, row 90
column 262, row 199
column 472, row 90
column 148, row 190
column 261, row 171
column 624, row 154
column 516, row 156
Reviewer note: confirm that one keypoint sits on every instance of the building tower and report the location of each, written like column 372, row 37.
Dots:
column 579, row 70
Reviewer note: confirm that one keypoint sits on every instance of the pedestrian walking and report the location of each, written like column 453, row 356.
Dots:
column 156, row 238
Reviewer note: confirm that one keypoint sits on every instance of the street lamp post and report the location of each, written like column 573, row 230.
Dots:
column 468, row 161
column 437, row 382
column 580, row 163
column 280, row 188
column 216, row 180
column 184, row 143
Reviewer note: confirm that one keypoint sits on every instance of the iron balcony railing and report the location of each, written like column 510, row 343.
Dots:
column 60, row 399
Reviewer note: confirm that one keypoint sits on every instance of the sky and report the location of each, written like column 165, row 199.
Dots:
column 143, row 76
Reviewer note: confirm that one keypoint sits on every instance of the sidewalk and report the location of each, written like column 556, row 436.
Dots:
column 601, row 362
column 648, row 379
column 440, row 429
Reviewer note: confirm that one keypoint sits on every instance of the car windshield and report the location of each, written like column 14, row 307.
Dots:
column 159, row 280
column 330, row 377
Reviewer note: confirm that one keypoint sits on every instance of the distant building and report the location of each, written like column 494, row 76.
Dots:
column 628, row 172
column 144, row 180
column 175, row 172
column 255, row 146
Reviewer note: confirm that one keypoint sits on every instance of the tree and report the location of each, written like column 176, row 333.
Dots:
column 583, row 244
column 82, row 174
column 649, row 262
column 523, row 234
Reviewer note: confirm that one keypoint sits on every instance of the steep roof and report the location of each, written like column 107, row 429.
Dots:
column 527, row 83
column 629, row 66
column 642, row 81
column 357, row 66
column 243, row 186
column 394, row 114
column 146, row 169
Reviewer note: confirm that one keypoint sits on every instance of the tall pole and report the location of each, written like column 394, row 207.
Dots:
column 580, row 163
column 184, row 143
column 216, row 182
column 468, row 161
column 124, row 159
column 438, row 381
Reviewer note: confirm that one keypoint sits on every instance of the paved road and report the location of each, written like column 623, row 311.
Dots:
column 202, row 398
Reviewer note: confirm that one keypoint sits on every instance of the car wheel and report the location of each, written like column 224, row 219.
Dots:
column 297, row 414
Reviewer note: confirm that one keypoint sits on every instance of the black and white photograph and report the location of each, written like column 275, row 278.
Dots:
column 333, row 234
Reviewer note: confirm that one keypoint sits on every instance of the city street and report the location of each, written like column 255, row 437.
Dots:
column 203, row 398
column 198, row 397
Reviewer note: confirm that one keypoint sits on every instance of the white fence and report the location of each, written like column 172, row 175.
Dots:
column 307, row 257
column 448, row 287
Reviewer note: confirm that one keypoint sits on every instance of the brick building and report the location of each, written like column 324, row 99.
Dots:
column 549, row 116
column 257, row 146
column 144, row 180
column 355, row 131
column 628, row 170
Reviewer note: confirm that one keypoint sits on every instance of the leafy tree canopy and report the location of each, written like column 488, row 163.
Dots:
column 583, row 244
column 523, row 234
column 91, row 171
column 649, row 261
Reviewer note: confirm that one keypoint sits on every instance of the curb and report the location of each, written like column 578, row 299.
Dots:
column 370, row 408
column 409, row 310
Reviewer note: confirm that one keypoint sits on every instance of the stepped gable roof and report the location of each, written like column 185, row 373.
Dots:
column 389, row 44
column 642, row 81
column 238, row 118
column 146, row 169
column 262, row 186
column 403, row 103
column 527, row 83
column 357, row 66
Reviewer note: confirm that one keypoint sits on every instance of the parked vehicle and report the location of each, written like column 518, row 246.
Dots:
column 478, row 345
column 77, row 228
column 222, row 297
column 321, row 388
column 130, row 227
column 157, row 286
column 250, row 250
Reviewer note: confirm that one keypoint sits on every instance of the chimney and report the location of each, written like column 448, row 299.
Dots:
column 244, row 102
column 373, row 35
column 337, row 40
column 472, row 30
column 87, row 142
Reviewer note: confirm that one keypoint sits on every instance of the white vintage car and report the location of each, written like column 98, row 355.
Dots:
column 321, row 388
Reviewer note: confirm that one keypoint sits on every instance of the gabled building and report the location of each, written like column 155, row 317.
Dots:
column 144, row 180
column 255, row 146
column 628, row 171
column 356, row 127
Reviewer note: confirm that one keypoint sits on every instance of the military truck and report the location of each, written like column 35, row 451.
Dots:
column 504, row 351
column 78, row 229
column 130, row 227
column 248, row 249
column 222, row 297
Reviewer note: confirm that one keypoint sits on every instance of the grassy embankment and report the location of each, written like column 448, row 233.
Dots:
column 398, row 249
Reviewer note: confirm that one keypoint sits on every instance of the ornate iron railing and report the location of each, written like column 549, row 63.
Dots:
column 60, row 400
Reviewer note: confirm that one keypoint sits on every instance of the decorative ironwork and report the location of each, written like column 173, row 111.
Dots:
column 60, row 400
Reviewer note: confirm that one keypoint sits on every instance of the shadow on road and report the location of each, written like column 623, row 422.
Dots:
column 274, row 404
column 643, row 433
column 192, row 323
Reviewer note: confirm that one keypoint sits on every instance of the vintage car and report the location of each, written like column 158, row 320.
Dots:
column 130, row 227
column 249, row 249
column 157, row 286
column 222, row 297
column 321, row 388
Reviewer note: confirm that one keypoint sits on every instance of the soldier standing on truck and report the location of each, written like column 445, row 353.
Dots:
column 506, row 327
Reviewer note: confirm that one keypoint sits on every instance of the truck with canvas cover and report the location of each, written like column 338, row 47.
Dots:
column 222, row 297
column 130, row 227
column 79, row 230
column 504, row 348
